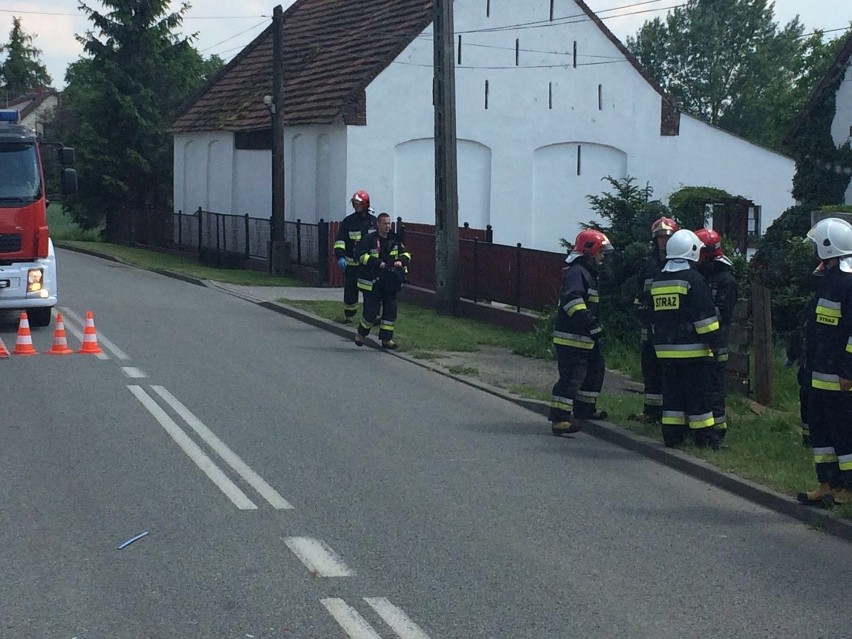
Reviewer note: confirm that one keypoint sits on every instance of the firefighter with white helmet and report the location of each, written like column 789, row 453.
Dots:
column 715, row 266
column 686, row 339
column 828, row 347
column 353, row 227
column 576, row 336
column 661, row 230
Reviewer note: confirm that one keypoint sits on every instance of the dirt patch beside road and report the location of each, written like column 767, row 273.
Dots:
column 502, row 368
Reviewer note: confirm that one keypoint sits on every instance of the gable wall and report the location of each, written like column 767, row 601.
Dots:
column 518, row 159
column 841, row 128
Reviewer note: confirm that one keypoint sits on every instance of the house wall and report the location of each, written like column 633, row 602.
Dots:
column 841, row 127
column 315, row 172
column 520, row 136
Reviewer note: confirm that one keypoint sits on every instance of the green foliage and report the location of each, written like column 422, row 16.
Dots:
column 727, row 62
column 689, row 204
column 784, row 263
column 21, row 72
column 122, row 99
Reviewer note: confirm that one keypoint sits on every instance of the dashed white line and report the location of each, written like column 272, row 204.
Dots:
column 230, row 457
column 231, row 490
column 133, row 373
column 352, row 623
column 318, row 557
column 77, row 332
column 396, row 618
column 119, row 354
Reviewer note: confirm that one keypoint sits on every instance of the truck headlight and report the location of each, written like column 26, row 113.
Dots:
column 34, row 280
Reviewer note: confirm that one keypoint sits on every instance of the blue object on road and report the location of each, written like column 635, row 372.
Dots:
column 132, row 539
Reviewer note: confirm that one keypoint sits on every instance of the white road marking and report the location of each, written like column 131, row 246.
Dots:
column 396, row 618
column 133, row 373
column 77, row 332
column 103, row 341
column 193, row 451
column 318, row 557
column 352, row 623
column 230, row 457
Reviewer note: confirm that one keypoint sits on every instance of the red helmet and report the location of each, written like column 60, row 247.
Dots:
column 591, row 242
column 712, row 249
column 663, row 226
column 361, row 197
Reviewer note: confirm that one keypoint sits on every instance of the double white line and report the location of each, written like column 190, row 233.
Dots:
column 358, row 628
column 194, row 452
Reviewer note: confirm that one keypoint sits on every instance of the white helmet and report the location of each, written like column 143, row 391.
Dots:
column 684, row 245
column 833, row 237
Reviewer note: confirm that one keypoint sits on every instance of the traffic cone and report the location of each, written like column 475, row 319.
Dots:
column 4, row 352
column 60, row 342
column 90, row 338
column 24, row 341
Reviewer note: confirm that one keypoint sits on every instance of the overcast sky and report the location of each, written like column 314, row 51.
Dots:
column 225, row 28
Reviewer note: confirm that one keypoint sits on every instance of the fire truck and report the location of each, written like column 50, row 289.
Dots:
column 28, row 278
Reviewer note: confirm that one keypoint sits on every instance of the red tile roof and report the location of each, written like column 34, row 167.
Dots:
column 333, row 49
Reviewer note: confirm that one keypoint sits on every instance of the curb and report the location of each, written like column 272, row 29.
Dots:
column 818, row 519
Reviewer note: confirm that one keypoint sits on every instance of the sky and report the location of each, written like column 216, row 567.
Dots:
column 225, row 28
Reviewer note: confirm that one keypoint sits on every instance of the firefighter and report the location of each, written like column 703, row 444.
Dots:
column 716, row 269
column 577, row 335
column 661, row 230
column 828, row 360
column 384, row 262
column 686, row 338
column 353, row 227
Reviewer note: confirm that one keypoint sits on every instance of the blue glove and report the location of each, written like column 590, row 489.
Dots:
column 341, row 262
column 788, row 363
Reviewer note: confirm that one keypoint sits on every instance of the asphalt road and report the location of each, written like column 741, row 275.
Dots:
column 293, row 485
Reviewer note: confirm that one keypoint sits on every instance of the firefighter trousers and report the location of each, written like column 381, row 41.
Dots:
column 350, row 291
column 830, row 421
column 652, row 378
column 687, row 402
column 717, row 397
column 581, row 375
column 375, row 302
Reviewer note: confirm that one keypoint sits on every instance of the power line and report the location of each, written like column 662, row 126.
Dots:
column 233, row 36
column 56, row 13
column 531, row 66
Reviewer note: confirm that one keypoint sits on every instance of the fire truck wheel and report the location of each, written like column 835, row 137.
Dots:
column 39, row 316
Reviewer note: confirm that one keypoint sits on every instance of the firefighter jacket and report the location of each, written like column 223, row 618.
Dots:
column 353, row 227
column 653, row 265
column 683, row 316
column 577, row 324
column 828, row 341
column 375, row 249
column 723, row 287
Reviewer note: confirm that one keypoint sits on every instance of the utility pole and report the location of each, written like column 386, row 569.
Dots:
column 278, row 255
column 446, row 174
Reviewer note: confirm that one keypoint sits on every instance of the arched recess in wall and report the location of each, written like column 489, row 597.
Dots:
column 194, row 179
column 293, row 178
column 218, row 178
column 563, row 175
column 414, row 182
column 324, row 180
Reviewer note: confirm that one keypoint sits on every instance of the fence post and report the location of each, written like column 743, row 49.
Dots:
column 180, row 229
column 489, row 234
column 200, row 230
column 299, row 241
column 322, row 251
column 248, row 252
column 762, row 319
column 475, row 269
column 518, row 279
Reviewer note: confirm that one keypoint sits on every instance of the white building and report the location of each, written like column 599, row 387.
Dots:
column 548, row 103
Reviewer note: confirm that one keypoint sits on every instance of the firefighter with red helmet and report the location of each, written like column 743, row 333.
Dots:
column 661, row 230
column 353, row 227
column 686, row 338
column 828, row 364
column 577, row 335
column 716, row 269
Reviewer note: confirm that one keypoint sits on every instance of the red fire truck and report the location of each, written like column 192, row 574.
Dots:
column 27, row 260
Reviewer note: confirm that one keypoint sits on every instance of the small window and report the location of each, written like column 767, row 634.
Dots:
column 517, row 51
column 552, row 2
column 753, row 221
column 575, row 54
column 600, row 97
column 579, row 158
column 486, row 95
column 458, row 62
column 550, row 95
column 487, row 8
column 253, row 140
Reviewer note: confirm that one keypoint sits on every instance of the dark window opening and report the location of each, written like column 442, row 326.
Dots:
column 600, row 97
column 550, row 95
column 551, row 10
column 575, row 54
column 459, row 52
column 517, row 51
column 486, row 94
column 487, row 8
column 579, row 158
column 253, row 140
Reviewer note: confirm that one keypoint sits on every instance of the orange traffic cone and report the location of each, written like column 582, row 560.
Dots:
column 90, row 338
column 24, row 341
column 60, row 342
column 4, row 352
